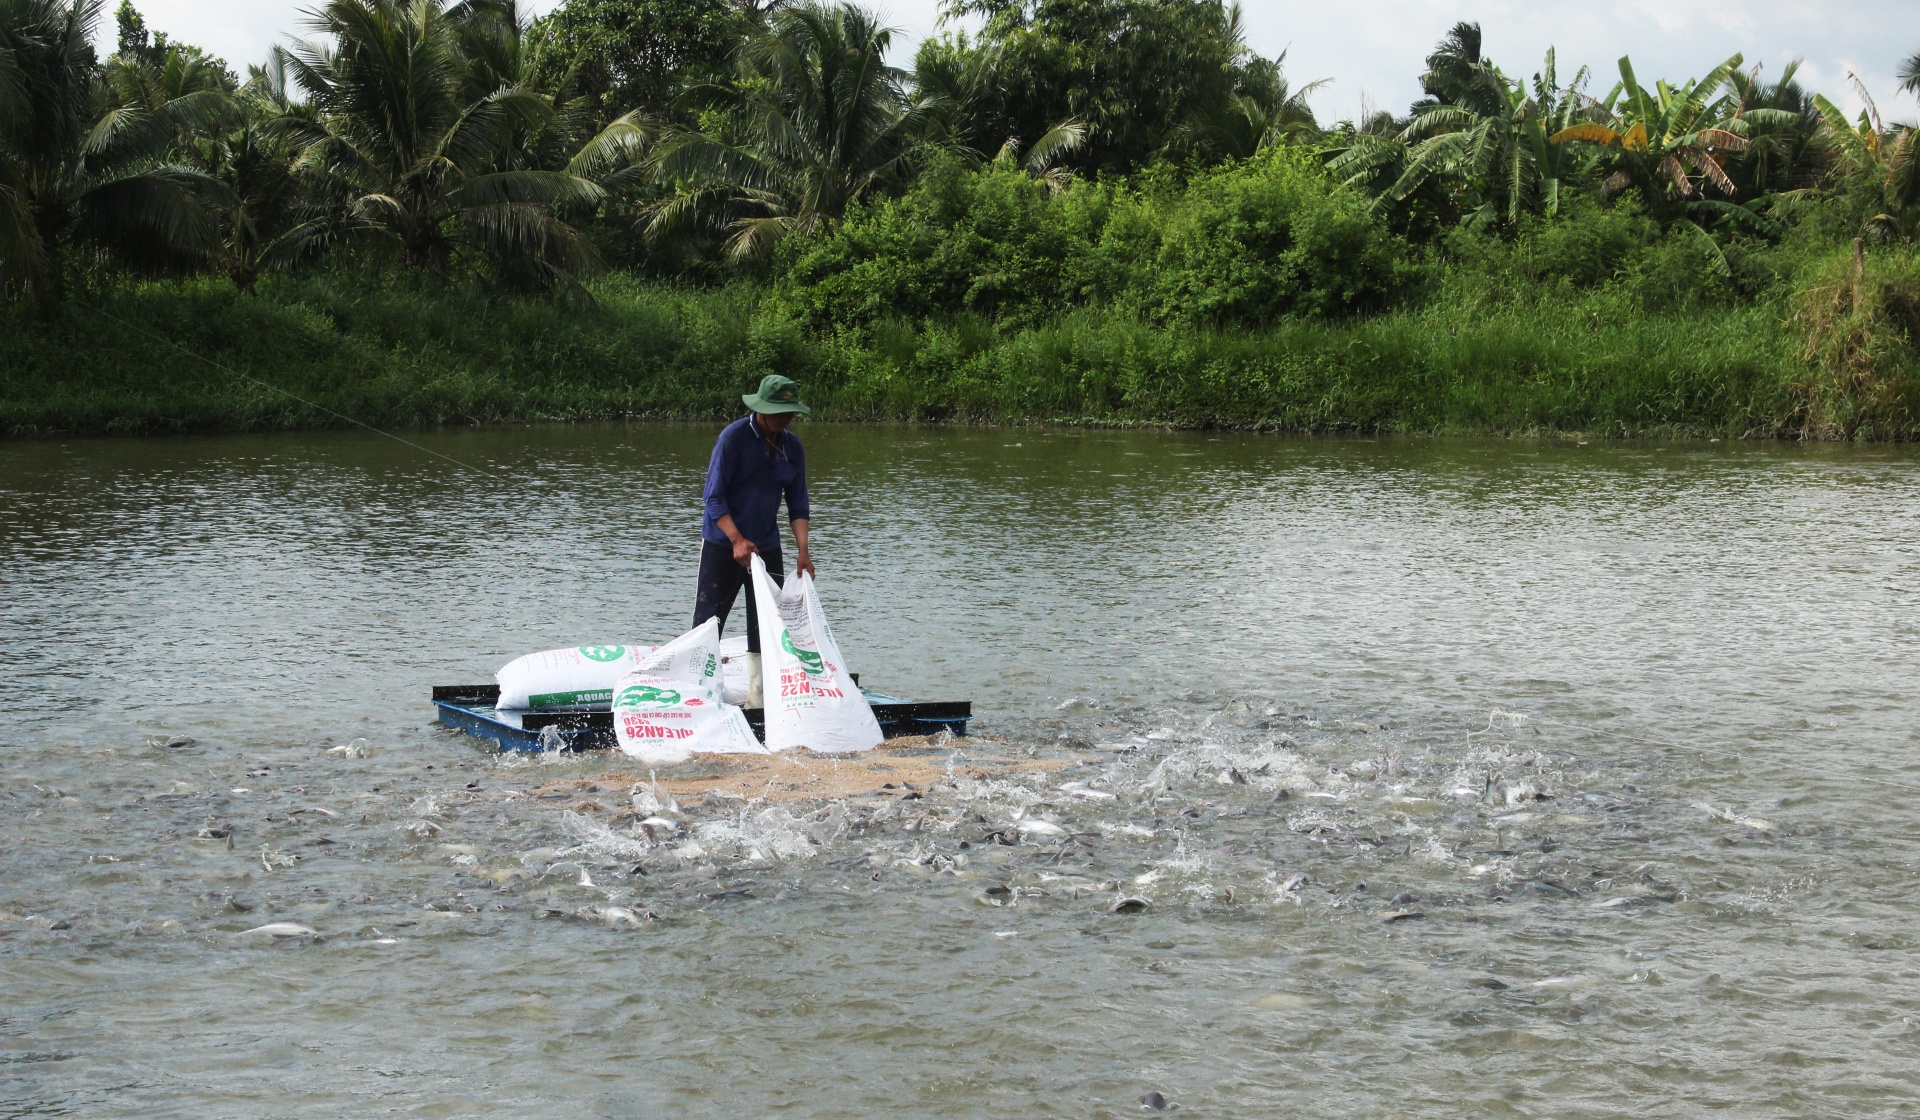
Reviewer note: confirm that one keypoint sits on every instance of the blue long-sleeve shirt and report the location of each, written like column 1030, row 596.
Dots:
column 746, row 479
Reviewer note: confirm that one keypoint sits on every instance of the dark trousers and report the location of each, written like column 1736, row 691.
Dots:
column 721, row 579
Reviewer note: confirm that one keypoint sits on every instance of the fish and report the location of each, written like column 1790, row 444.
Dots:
column 1295, row 881
column 1561, row 982
column 281, row 931
column 1130, row 906
column 1633, row 901
column 1279, row 1001
column 1080, row 791
column 1039, row 829
column 622, row 916
column 1727, row 815
column 1521, row 792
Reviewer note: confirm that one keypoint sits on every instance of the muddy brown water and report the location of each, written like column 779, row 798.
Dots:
column 1492, row 778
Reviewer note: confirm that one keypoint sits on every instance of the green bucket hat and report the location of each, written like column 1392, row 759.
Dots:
column 777, row 394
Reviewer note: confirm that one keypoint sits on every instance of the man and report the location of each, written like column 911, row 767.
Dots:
column 755, row 462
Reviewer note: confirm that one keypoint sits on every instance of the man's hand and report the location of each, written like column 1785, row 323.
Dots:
column 800, row 534
column 743, row 551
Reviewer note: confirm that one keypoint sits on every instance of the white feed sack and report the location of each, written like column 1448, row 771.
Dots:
column 735, row 673
column 669, row 708
column 810, row 698
column 559, row 678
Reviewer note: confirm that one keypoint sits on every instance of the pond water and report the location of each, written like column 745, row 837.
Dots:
column 1499, row 778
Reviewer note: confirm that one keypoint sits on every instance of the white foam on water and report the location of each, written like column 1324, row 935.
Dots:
column 600, row 842
column 762, row 834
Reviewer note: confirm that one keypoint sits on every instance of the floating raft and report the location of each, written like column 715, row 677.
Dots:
column 470, row 708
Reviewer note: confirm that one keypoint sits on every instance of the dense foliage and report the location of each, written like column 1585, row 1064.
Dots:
column 1086, row 209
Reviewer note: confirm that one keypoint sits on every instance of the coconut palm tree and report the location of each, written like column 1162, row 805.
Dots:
column 404, row 118
column 821, row 122
column 1785, row 151
column 147, row 81
column 75, row 168
column 1267, row 112
column 1041, row 159
column 1886, row 159
column 960, row 77
column 274, row 210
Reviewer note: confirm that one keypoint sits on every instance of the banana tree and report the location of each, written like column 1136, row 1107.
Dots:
column 1668, row 141
column 1672, row 143
column 1489, row 148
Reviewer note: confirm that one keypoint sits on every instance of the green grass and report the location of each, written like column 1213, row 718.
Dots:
column 387, row 353
column 380, row 353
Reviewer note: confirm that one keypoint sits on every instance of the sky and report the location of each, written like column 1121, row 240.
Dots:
column 1373, row 49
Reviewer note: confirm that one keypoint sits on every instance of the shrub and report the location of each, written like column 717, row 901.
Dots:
column 992, row 242
column 1271, row 237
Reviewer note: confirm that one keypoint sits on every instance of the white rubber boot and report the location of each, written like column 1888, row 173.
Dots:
column 754, row 689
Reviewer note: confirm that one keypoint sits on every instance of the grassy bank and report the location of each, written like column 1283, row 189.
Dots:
column 1834, row 360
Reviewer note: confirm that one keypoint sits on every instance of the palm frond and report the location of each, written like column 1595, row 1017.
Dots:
column 1062, row 139
column 755, row 238
column 151, row 217
column 555, row 190
column 620, row 145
